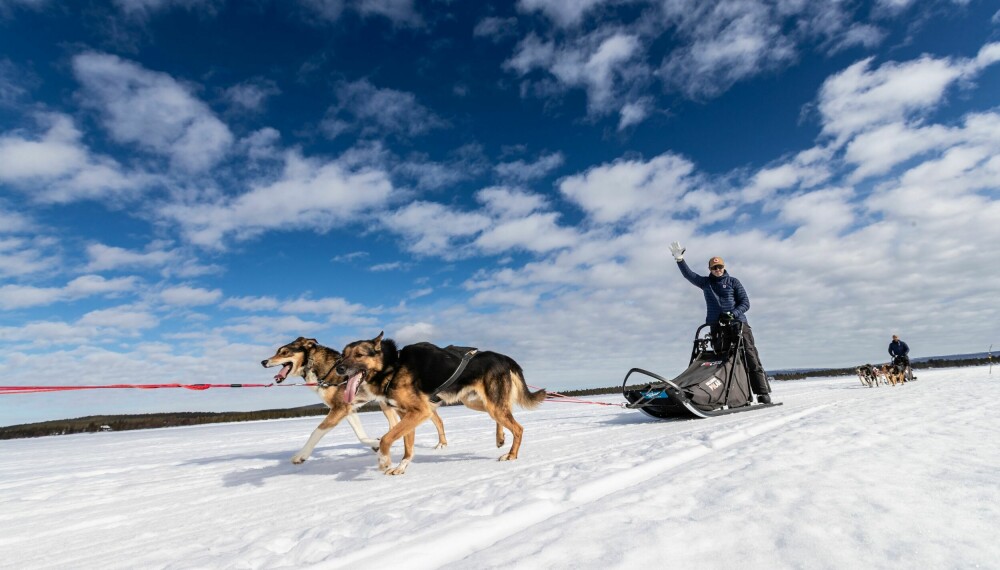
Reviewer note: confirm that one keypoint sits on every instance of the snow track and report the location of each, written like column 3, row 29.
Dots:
column 820, row 482
column 436, row 547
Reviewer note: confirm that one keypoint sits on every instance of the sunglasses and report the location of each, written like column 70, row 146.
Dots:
column 717, row 267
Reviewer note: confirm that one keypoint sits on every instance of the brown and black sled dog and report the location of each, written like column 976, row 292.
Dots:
column 408, row 378
column 316, row 364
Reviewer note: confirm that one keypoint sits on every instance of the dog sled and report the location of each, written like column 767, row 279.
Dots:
column 715, row 382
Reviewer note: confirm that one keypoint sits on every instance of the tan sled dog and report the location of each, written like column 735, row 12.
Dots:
column 412, row 380
column 316, row 364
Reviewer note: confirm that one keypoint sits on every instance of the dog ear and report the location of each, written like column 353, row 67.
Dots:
column 309, row 343
column 377, row 341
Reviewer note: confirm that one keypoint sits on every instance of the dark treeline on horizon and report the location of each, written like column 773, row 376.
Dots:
column 173, row 419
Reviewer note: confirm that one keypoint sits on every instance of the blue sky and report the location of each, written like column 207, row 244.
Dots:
column 187, row 184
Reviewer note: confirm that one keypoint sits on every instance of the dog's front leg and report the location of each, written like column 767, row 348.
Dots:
column 329, row 422
column 359, row 430
column 407, row 455
column 405, row 428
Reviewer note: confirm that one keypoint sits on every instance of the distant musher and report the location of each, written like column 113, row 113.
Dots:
column 727, row 301
column 899, row 351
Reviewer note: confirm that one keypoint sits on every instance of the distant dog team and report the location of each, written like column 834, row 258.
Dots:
column 411, row 382
column 890, row 374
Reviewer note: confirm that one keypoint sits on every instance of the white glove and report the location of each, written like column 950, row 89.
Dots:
column 677, row 251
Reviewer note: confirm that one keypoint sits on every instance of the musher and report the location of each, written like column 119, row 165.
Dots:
column 727, row 301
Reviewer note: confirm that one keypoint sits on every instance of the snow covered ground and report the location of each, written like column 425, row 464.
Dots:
column 841, row 476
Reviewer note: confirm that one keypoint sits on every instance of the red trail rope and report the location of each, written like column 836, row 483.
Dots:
column 557, row 397
column 36, row 389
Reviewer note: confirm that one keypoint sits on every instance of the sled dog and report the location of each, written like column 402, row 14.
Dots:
column 871, row 374
column 896, row 373
column 863, row 375
column 316, row 364
column 408, row 378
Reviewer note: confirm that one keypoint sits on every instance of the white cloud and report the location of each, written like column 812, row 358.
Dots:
column 252, row 94
column 627, row 189
column 727, row 42
column 430, row 228
column 509, row 220
column 521, row 171
column 57, row 153
column 712, row 44
column 104, row 257
column 252, row 303
column 13, row 81
column 21, row 256
column 879, row 150
column 861, row 98
column 262, row 144
column 26, row 296
column 806, row 169
column 399, row 12
column 427, row 175
column 563, row 13
column 266, row 329
column 602, row 63
column 144, row 9
column 186, row 296
column 634, row 112
column 310, row 194
column 87, row 285
column 496, row 29
column 538, row 233
column 531, row 52
column 863, row 35
column 56, row 167
column 332, row 307
column 152, row 111
column 12, row 222
column 391, row 266
column 48, row 332
column 363, row 107
column 414, row 332
column 509, row 202
column 120, row 318
column 819, row 213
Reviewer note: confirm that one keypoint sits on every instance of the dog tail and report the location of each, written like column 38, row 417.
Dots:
column 525, row 397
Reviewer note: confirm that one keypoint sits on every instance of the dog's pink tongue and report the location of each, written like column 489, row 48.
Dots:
column 283, row 373
column 352, row 387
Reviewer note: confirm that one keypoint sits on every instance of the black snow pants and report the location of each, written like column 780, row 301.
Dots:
column 755, row 370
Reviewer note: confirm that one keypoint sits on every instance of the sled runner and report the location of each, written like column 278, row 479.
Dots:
column 715, row 382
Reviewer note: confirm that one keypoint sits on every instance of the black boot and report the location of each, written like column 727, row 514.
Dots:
column 763, row 398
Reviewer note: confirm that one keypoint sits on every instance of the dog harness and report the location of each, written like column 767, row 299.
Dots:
column 467, row 353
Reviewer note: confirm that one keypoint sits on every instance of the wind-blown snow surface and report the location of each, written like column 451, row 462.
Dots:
column 840, row 476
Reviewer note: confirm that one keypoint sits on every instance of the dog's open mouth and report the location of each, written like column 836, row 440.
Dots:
column 353, row 383
column 283, row 373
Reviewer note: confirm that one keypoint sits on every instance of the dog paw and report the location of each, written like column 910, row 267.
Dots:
column 399, row 469
column 298, row 459
column 500, row 442
column 384, row 463
column 507, row 457
column 441, row 446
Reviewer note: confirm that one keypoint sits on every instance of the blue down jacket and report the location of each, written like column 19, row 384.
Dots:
column 898, row 348
column 722, row 294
